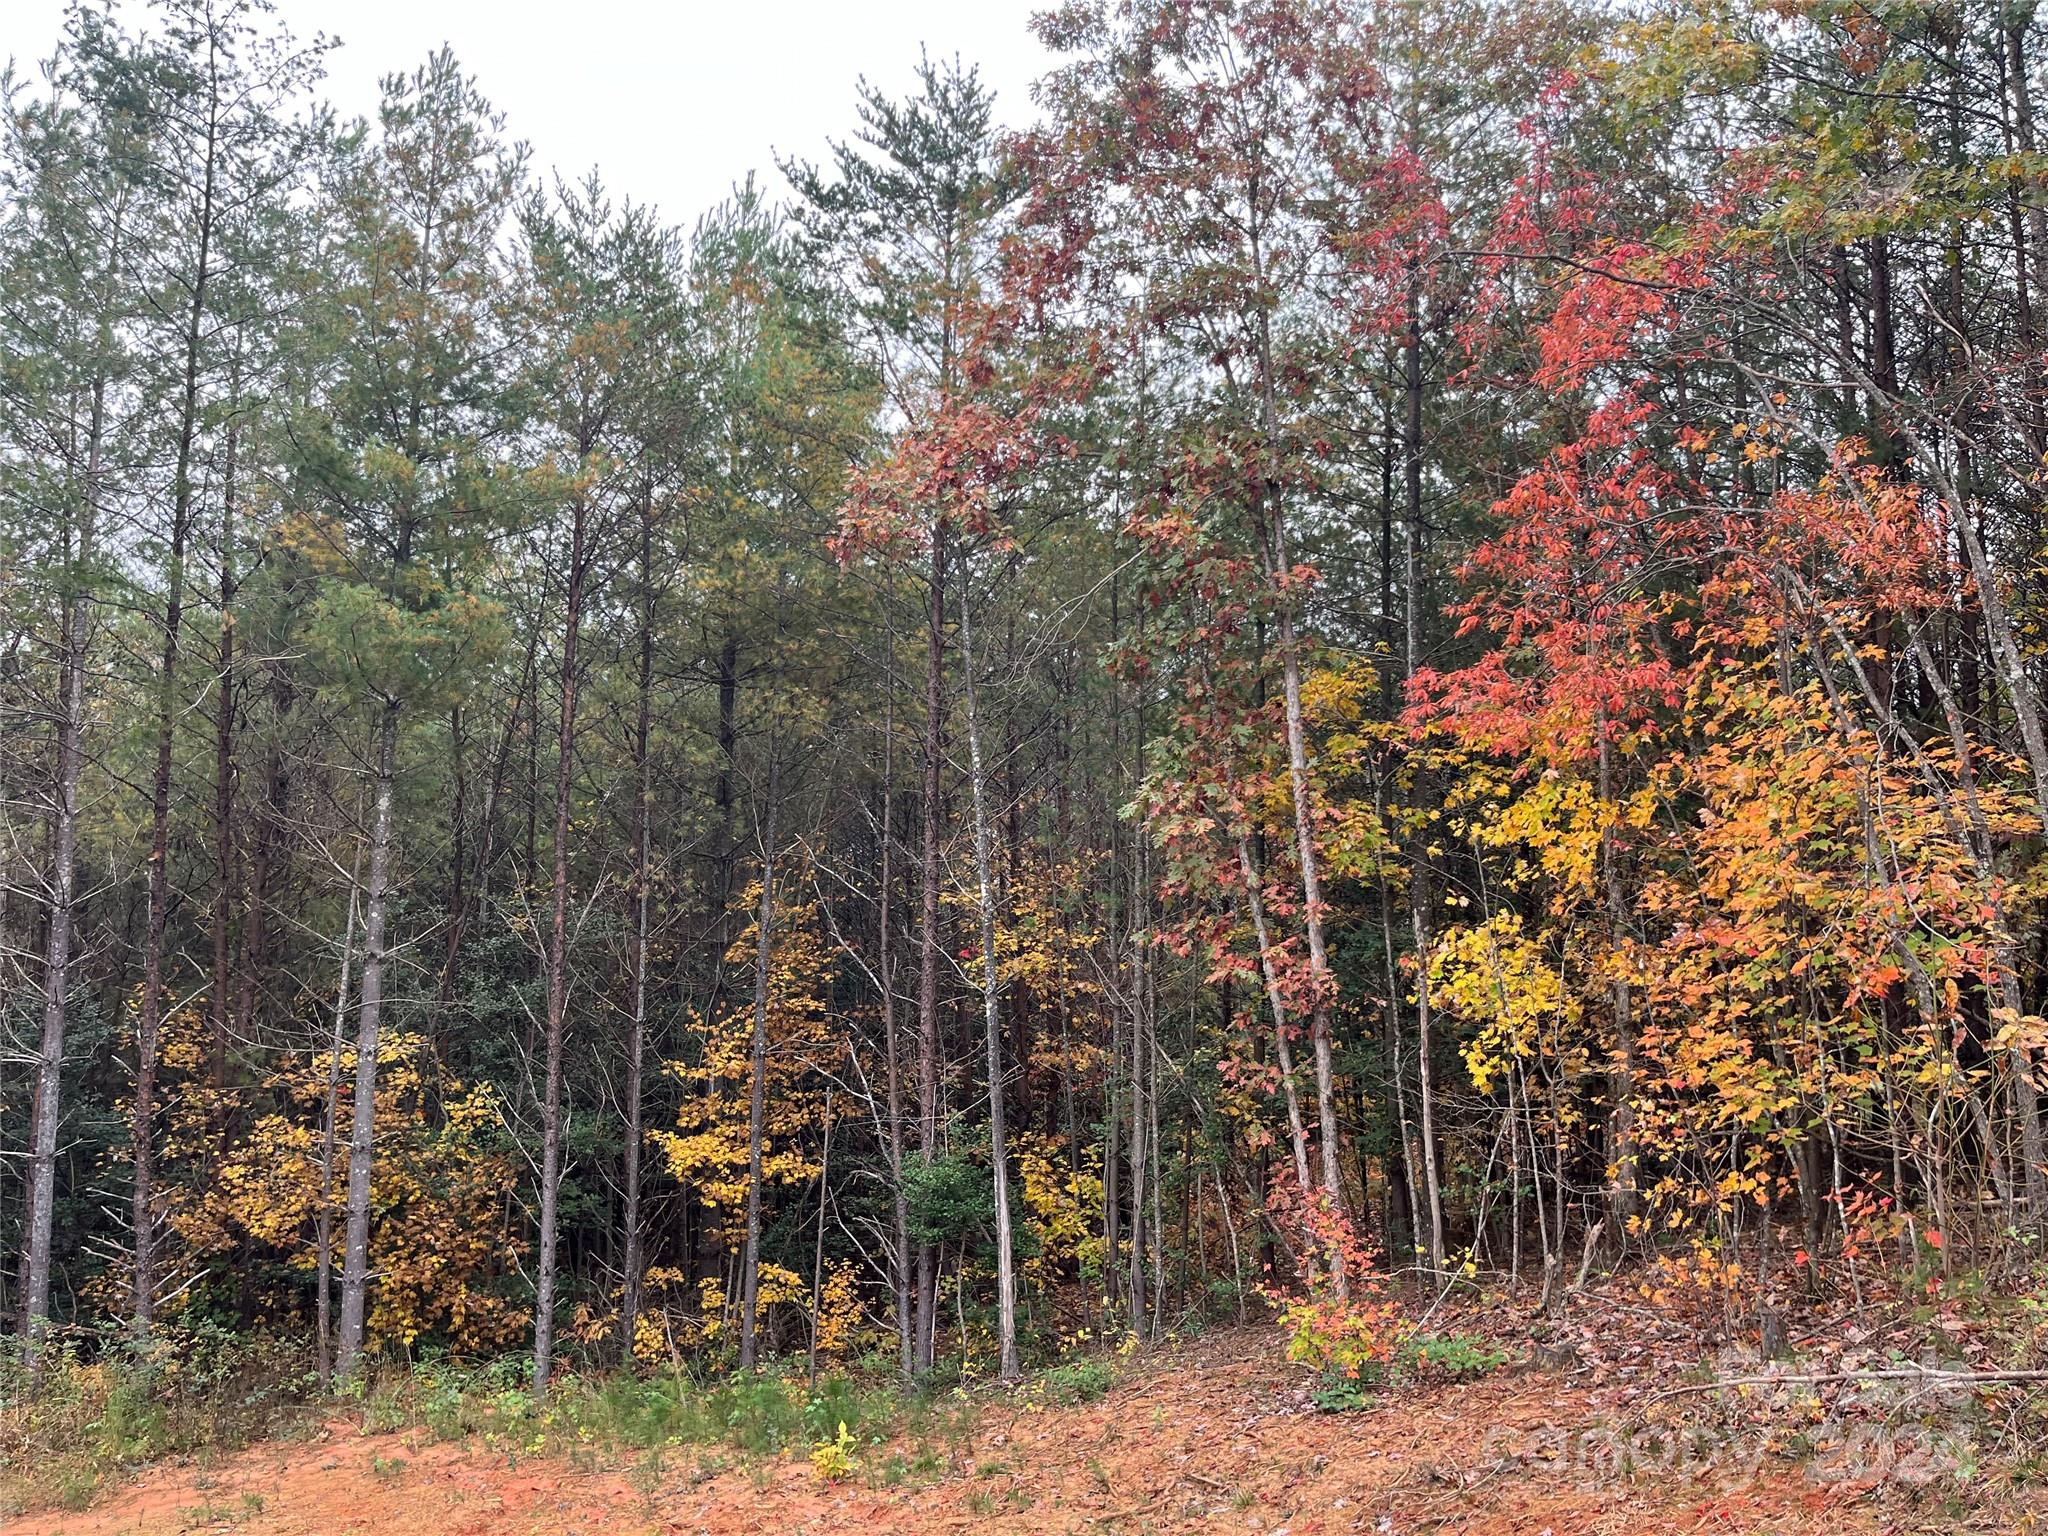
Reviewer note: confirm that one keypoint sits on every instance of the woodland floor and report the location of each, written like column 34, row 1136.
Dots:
column 1213, row 1435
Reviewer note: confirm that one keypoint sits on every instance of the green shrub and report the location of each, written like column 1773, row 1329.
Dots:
column 1078, row 1381
column 625, row 1411
column 839, row 1399
column 107, row 1405
column 758, row 1413
column 1335, row 1392
column 1450, row 1357
column 950, row 1200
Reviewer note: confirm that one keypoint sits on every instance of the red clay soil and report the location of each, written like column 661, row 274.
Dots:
column 1216, row 1436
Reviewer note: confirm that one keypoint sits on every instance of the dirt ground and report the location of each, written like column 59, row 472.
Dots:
column 1215, row 1436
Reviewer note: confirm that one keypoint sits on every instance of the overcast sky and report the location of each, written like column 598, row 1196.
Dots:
column 673, row 102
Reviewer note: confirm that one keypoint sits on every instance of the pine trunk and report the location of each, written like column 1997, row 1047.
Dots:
column 636, row 1036
column 47, row 1106
column 355, row 1256
column 928, row 936
column 991, row 991
column 557, row 969
column 757, row 1092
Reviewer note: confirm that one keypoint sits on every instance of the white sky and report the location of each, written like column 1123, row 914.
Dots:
column 673, row 102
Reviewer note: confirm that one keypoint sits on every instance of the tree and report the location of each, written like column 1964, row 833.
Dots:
column 397, row 465
column 596, row 279
column 907, row 221
column 73, row 190
column 1236, row 120
column 215, row 86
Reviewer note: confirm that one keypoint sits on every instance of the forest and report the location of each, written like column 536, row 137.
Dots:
column 1390, row 650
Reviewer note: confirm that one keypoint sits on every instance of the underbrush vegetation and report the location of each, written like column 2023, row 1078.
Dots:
column 104, row 1409
column 1419, row 1358
column 105, row 1406
column 1077, row 1381
column 616, row 1417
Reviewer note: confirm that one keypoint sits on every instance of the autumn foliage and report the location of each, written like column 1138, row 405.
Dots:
column 1395, row 652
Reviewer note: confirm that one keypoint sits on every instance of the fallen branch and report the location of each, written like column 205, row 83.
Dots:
column 1127, row 1514
column 1586, row 1255
column 1925, row 1374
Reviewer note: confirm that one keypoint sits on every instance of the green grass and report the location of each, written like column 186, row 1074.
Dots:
column 629, row 1419
column 106, row 1407
column 97, row 1420
column 1078, row 1381
column 1449, row 1357
column 1423, row 1358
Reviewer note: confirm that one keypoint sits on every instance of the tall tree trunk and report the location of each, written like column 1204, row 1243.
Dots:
column 757, row 1055
column 636, row 1037
column 323, row 1215
column 2033, row 279
column 1138, row 1149
column 1314, row 913
column 253, row 951
column 47, row 1108
column 1401, row 1190
column 1276, row 1002
column 1017, row 1000
column 149, row 1019
column 1622, row 1152
column 885, row 974
column 458, row 851
column 928, row 934
column 1112, row 1072
column 1418, row 881
column 558, row 966
column 487, row 825
column 818, row 1244
column 355, row 1256
column 724, row 791
column 221, row 918
column 991, row 990
column 150, row 1015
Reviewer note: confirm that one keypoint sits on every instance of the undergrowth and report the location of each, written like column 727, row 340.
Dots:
column 755, row 1415
column 1418, row 1358
column 105, row 1408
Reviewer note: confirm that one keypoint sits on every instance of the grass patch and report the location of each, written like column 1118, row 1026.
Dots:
column 106, row 1407
column 1423, row 1358
column 99, row 1419
column 1448, row 1357
column 1077, row 1382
